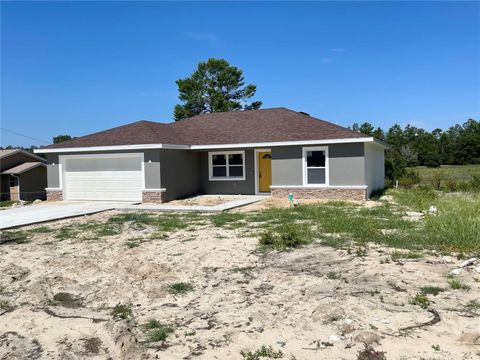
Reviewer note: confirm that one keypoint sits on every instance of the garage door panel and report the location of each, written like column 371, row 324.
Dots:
column 117, row 178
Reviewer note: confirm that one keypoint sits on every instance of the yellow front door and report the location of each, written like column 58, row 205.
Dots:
column 264, row 171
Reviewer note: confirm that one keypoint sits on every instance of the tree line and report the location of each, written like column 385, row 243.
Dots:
column 413, row 146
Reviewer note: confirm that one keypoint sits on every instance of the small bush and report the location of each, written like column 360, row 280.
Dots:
column 451, row 185
column 409, row 179
column 458, row 284
column 332, row 275
column 421, row 300
column 288, row 236
column 264, row 352
column 121, row 311
column 5, row 305
column 180, row 288
column 437, row 181
column 158, row 331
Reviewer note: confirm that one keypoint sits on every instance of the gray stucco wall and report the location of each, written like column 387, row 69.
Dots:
column 53, row 174
column 287, row 165
column 244, row 187
column 346, row 165
column 180, row 173
column 152, row 169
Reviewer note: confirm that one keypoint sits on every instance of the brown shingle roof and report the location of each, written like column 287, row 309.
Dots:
column 252, row 126
column 23, row 167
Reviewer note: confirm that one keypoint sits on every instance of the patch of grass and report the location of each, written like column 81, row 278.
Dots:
column 66, row 232
column 397, row 255
column 457, row 173
column 457, row 284
column 287, row 236
column 122, row 311
column 171, row 222
column 5, row 305
column 431, row 290
column 180, row 288
column 66, row 300
column 228, row 220
column 14, row 236
column 157, row 331
column 266, row 352
column 133, row 217
column 421, row 300
column 41, row 230
column 7, row 203
column 332, row 275
column 132, row 244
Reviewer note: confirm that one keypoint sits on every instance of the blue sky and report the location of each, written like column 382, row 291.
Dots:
column 81, row 67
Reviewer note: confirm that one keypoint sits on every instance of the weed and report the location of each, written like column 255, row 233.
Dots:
column 457, row 284
column 41, row 230
column 397, row 255
column 122, row 311
column 180, row 288
column 436, row 347
column 264, row 352
column 14, row 237
column 157, row 330
column 368, row 353
column 361, row 251
column 332, row 275
column 332, row 318
column 131, row 244
column 190, row 333
column 65, row 233
column 431, row 290
column 66, row 300
column 421, row 300
column 5, row 305
column 288, row 236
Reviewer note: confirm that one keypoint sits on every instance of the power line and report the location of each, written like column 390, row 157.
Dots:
column 25, row 136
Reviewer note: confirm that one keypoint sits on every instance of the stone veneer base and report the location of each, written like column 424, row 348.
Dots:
column 154, row 197
column 322, row 193
column 54, row 195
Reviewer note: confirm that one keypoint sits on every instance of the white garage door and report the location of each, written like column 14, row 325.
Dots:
column 116, row 177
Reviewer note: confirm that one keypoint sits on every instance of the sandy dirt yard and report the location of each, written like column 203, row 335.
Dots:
column 314, row 302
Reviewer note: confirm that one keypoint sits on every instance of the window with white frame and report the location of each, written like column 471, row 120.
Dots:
column 315, row 166
column 229, row 165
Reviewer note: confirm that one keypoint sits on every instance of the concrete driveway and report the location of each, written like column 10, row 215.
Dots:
column 32, row 214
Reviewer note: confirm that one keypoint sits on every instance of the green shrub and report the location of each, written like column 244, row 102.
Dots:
column 409, row 179
column 122, row 311
column 421, row 300
column 287, row 236
column 264, row 352
column 158, row 331
column 267, row 238
column 180, row 288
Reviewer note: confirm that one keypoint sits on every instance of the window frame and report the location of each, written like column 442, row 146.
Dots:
column 305, row 168
column 227, row 177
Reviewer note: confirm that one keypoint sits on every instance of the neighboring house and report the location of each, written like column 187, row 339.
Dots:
column 277, row 151
column 23, row 176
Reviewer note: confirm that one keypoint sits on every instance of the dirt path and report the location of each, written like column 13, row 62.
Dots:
column 314, row 302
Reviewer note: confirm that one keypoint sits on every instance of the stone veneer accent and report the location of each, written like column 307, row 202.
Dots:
column 322, row 193
column 54, row 195
column 155, row 197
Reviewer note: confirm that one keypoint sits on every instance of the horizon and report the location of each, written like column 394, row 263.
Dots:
column 74, row 68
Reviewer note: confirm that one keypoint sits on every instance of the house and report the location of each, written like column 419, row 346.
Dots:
column 23, row 176
column 276, row 151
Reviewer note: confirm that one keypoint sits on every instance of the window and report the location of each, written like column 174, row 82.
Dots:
column 228, row 165
column 315, row 166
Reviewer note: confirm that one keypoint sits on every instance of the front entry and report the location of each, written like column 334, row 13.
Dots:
column 264, row 171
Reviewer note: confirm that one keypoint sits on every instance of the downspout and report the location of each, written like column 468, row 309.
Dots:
column 19, row 192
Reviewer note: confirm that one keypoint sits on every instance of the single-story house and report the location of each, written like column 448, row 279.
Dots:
column 23, row 176
column 268, row 151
